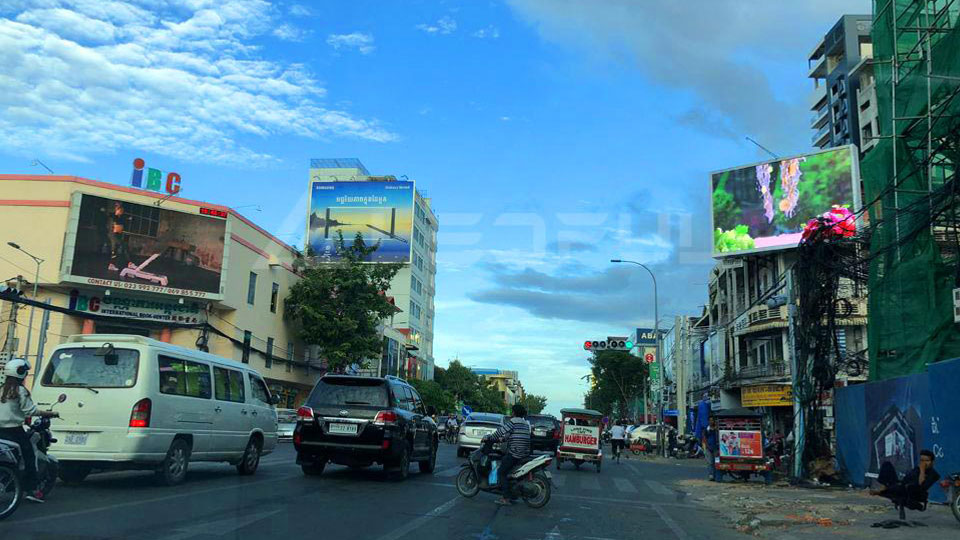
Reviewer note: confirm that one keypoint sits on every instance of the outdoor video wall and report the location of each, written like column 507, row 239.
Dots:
column 124, row 245
column 381, row 212
column 765, row 206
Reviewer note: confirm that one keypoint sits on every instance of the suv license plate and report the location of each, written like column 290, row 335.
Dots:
column 350, row 429
column 75, row 438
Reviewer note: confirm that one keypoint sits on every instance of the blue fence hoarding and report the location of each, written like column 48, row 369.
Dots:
column 893, row 420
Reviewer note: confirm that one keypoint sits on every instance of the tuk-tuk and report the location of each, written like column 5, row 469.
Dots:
column 740, row 434
column 580, row 437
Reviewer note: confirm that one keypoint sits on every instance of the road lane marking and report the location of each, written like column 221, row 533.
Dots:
column 219, row 527
column 634, row 502
column 677, row 531
column 624, row 485
column 590, row 482
column 415, row 524
column 659, row 488
column 49, row 517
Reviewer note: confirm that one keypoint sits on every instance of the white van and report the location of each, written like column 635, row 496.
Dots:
column 137, row 403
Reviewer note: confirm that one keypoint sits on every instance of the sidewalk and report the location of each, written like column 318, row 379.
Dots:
column 781, row 511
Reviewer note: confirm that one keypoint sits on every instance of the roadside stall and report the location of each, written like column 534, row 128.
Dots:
column 580, row 439
column 741, row 455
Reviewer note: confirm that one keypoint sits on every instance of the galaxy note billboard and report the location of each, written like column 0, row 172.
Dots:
column 765, row 206
column 119, row 244
column 380, row 212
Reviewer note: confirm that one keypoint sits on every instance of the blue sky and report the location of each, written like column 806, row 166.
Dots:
column 552, row 135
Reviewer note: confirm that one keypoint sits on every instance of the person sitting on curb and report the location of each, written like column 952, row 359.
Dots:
column 913, row 490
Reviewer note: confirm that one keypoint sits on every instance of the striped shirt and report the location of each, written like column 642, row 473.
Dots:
column 515, row 434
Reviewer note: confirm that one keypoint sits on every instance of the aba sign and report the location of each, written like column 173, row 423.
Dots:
column 646, row 336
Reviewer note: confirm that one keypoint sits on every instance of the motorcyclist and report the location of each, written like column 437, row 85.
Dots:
column 514, row 436
column 15, row 407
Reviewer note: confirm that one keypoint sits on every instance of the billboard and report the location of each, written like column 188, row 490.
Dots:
column 741, row 444
column 765, row 206
column 382, row 212
column 119, row 244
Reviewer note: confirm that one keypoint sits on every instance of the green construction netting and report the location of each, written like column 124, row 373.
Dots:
column 912, row 274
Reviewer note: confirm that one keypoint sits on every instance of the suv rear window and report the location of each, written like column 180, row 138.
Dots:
column 349, row 392
column 82, row 367
column 542, row 421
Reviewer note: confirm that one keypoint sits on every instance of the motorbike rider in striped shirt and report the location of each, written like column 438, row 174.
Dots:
column 514, row 437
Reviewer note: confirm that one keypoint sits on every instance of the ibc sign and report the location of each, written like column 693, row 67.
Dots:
column 154, row 178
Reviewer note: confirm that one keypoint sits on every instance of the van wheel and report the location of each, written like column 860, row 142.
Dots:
column 73, row 474
column 251, row 458
column 173, row 469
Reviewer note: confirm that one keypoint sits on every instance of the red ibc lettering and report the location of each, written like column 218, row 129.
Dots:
column 173, row 183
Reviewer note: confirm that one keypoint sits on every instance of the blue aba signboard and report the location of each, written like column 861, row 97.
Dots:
column 646, row 336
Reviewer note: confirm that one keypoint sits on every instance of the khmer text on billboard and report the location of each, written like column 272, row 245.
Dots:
column 766, row 206
column 381, row 212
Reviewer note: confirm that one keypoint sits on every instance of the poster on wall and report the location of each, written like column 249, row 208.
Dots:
column 119, row 244
column 741, row 444
column 765, row 206
column 380, row 212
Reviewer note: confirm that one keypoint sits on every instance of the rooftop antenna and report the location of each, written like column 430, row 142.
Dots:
column 164, row 199
column 36, row 162
column 256, row 207
column 762, row 147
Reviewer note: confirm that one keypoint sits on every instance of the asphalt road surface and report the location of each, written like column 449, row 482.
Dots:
column 629, row 500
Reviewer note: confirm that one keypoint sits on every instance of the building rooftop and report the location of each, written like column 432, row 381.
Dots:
column 338, row 163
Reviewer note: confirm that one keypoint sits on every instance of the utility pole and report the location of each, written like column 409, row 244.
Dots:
column 10, row 343
column 798, row 423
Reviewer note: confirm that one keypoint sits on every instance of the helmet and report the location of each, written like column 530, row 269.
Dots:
column 16, row 368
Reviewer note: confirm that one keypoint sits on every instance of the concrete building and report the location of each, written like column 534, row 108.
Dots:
column 217, row 280
column 834, row 102
column 869, row 122
column 506, row 382
column 414, row 287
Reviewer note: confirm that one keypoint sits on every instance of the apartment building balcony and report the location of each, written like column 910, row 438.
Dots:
column 822, row 136
column 771, row 372
column 818, row 97
column 820, row 117
column 760, row 318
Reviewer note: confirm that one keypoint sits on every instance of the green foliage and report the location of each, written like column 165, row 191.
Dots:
column 534, row 404
column 434, row 394
column 734, row 240
column 469, row 389
column 339, row 305
column 726, row 211
column 618, row 379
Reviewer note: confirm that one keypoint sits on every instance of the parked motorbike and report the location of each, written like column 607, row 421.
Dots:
column 531, row 480
column 686, row 447
column 12, row 467
column 951, row 485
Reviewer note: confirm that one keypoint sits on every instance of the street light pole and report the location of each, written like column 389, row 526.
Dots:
column 36, row 279
column 656, row 348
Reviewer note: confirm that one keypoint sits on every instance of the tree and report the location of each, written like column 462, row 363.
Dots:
column 460, row 381
column 338, row 306
column 434, row 394
column 534, row 404
column 618, row 379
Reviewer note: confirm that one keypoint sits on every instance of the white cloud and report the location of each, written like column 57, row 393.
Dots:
column 356, row 40
column 490, row 32
column 299, row 10
column 288, row 32
column 505, row 118
column 82, row 77
column 444, row 25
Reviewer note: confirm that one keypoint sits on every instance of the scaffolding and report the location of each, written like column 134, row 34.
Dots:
column 910, row 189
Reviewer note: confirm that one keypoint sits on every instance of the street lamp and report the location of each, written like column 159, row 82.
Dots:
column 656, row 346
column 33, row 308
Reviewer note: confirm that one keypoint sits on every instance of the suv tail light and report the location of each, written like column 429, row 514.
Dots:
column 556, row 434
column 305, row 414
column 385, row 418
column 140, row 415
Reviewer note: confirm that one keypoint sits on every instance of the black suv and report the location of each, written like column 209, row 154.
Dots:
column 358, row 421
column 545, row 435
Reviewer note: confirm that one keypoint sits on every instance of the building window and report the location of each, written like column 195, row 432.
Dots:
column 414, row 310
column 245, row 355
column 289, row 356
column 416, row 285
column 274, row 293
column 252, row 289
column 268, row 363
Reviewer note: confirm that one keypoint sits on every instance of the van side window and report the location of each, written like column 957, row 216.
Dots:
column 228, row 384
column 258, row 390
column 183, row 377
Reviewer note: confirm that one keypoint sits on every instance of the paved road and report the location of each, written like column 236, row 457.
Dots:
column 626, row 501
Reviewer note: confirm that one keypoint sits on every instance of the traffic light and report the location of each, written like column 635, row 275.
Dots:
column 613, row 344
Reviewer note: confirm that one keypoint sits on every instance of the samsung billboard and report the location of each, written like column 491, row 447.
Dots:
column 765, row 206
column 381, row 212
column 123, row 245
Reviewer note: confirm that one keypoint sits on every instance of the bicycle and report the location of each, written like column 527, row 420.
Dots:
column 617, row 448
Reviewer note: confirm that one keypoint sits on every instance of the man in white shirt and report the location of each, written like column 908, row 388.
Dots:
column 617, row 435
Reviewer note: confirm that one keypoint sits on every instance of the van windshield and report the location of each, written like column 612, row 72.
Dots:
column 82, row 367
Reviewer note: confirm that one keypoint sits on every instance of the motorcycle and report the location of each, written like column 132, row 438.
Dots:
column 531, row 481
column 686, row 447
column 11, row 465
column 951, row 485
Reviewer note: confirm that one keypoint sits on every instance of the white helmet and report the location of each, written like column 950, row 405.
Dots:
column 16, row 368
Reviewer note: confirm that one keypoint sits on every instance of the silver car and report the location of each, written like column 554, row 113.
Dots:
column 474, row 429
column 286, row 421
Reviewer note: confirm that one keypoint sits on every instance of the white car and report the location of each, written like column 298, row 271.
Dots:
column 137, row 403
column 474, row 429
column 645, row 433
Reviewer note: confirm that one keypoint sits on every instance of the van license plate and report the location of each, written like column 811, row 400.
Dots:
column 76, row 438
column 350, row 429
